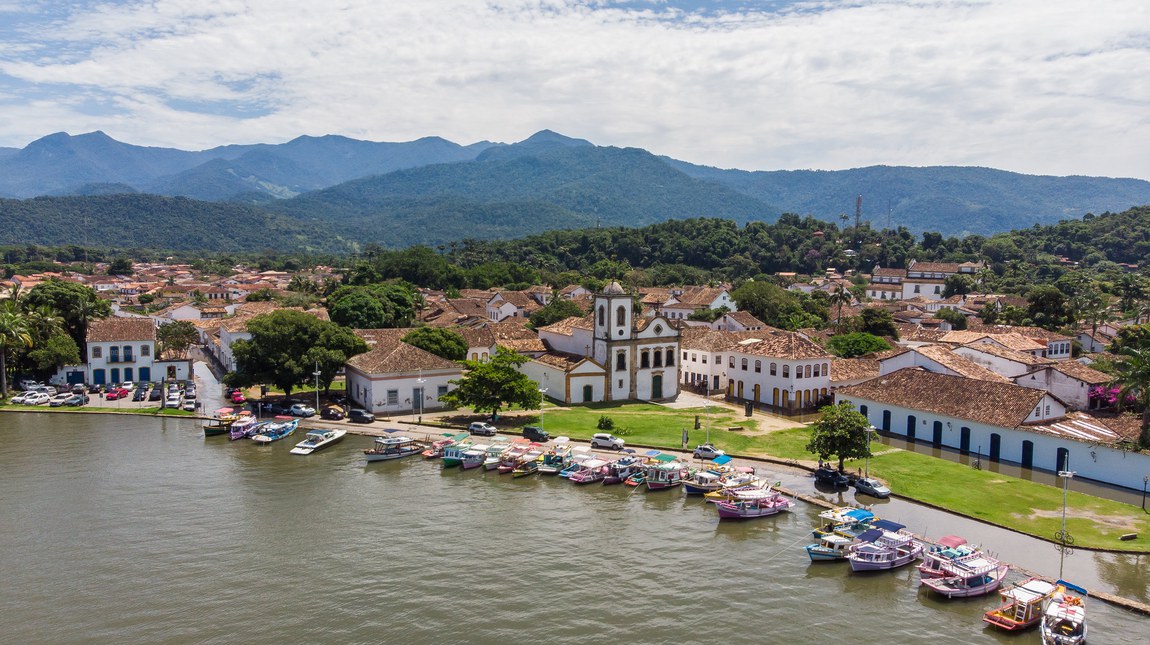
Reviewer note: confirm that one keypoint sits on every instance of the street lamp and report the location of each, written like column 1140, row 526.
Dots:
column 1064, row 538
column 1145, row 480
column 543, row 392
column 316, row 374
column 866, row 467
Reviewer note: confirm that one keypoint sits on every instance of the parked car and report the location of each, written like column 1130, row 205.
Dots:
column 831, row 477
column 155, row 394
column 77, row 400
column 28, row 384
column 535, row 433
column 189, row 405
column 301, row 410
column 19, row 399
column 481, row 428
column 606, row 440
column 116, row 394
column 139, row 395
column 50, row 390
column 78, row 388
column 707, row 451
column 36, row 398
column 128, row 385
column 58, row 400
column 871, row 486
column 173, row 400
column 238, row 397
column 358, row 415
column 332, row 413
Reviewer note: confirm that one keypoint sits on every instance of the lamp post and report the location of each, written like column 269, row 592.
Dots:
column 866, row 462
column 316, row 374
column 1145, row 480
column 543, row 393
column 1064, row 538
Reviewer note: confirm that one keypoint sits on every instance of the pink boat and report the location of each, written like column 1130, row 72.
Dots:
column 770, row 503
column 590, row 471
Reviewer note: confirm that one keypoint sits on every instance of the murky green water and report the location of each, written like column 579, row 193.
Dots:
column 122, row 529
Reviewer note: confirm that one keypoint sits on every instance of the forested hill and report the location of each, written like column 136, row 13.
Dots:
column 948, row 199
column 152, row 222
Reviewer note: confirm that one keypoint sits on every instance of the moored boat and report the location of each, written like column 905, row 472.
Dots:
column 579, row 454
column 495, row 453
column 1064, row 615
column 275, row 430
column 528, row 464
column 555, row 459
column 950, row 548
column 760, row 506
column 393, row 447
column 590, row 471
column 1022, row 606
column 665, row 474
column 511, row 457
column 243, row 428
column 620, row 469
column 437, row 448
column 883, row 547
column 473, row 457
column 453, row 454
column 968, row 578
column 830, row 547
column 221, row 423
column 316, row 440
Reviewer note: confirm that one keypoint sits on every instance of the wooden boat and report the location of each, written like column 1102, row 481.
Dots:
column 511, row 457
column 735, row 493
column 1022, row 606
column 244, row 427
column 1064, row 615
column 393, row 447
column 883, row 547
column 220, row 425
column 949, row 548
column 619, row 470
column 579, row 454
column 846, row 521
column 968, row 578
column 665, row 474
column 495, row 453
column 771, row 503
column 474, row 456
column 316, row 440
column 437, row 448
column 453, row 454
column 830, row 547
column 590, row 471
column 555, row 460
column 528, row 464
column 275, row 430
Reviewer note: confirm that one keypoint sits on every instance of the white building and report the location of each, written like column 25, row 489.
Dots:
column 124, row 349
column 394, row 378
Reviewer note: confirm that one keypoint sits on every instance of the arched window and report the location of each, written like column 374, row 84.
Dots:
column 817, row 373
column 808, row 371
column 620, row 316
column 774, row 369
column 786, row 371
column 744, row 364
column 644, row 359
column 731, row 361
column 670, row 357
column 602, row 315
column 620, row 362
column 659, row 358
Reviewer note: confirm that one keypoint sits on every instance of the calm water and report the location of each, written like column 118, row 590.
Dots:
column 123, row 529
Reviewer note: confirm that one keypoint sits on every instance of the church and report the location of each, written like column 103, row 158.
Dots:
column 608, row 355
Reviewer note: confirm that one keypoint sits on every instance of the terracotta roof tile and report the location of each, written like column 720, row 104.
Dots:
column 116, row 328
column 959, row 364
column 399, row 358
column 853, row 369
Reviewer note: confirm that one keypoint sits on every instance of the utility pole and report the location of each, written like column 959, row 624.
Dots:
column 858, row 222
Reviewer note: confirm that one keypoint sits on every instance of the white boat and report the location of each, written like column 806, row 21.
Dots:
column 968, row 578
column 388, row 448
column 1064, row 617
column 495, row 454
column 318, row 440
column 474, row 456
column 589, row 472
column 829, row 548
column 950, row 548
column 1022, row 605
column 883, row 547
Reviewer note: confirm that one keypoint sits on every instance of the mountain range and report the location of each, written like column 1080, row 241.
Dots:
column 333, row 193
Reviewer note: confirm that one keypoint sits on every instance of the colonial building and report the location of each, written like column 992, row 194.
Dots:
column 394, row 378
column 124, row 349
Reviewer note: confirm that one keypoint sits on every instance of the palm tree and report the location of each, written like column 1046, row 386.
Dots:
column 14, row 332
column 44, row 322
column 1133, row 381
column 839, row 297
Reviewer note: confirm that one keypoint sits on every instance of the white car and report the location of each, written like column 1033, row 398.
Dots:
column 605, row 440
column 173, row 400
column 128, row 385
column 59, row 399
column 481, row 428
column 301, row 410
column 37, row 398
column 707, row 451
column 19, row 399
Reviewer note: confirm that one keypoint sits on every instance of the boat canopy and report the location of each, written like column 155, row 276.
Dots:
column 559, row 440
column 461, row 436
column 666, row 458
column 652, row 453
column 893, row 527
column 859, row 515
column 721, row 460
column 1073, row 587
column 951, row 541
column 870, row 535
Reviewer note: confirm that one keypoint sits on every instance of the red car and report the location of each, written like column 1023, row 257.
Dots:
column 116, row 393
column 238, row 397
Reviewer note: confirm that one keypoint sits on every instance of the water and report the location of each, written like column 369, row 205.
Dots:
column 126, row 529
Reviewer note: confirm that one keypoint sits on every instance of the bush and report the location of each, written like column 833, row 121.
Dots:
column 606, row 423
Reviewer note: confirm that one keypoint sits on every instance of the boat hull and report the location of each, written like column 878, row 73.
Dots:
column 957, row 588
column 380, row 456
column 823, row 554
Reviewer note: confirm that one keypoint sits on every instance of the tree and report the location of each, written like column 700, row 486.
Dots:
column 957, row 285
column 769, row 303
column 956, row 319
column 492, row 385
column 373, row 306
column 14, row 333
column 285, row 346
column 78, row 304
column 555, row 310
column 838, row 298
column 120, row 266
column 444, row 343
column 261, row 295
column 856, row 344
column 54, row 352
column 1047, row 307
column 840, row 431
column 176, row 337
column 878, row 322
column 1133, row 381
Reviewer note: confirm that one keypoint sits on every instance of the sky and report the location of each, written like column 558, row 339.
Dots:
column 1056, row 87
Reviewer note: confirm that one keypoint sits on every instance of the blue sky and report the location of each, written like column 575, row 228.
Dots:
column 1036, row 86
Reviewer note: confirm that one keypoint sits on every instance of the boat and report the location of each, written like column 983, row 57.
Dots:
column 221, row 423
column 528, row 464
column 511, row 457
column 949, row 548
column 438, row 447
column 590, row 471
column 735, row 493
column 968, row 578
column 771, row 503
column 244, row 427
column 453, row 454
column 495, row 454
column 846, row 521
column 883, row 547
column 667, row 473
column 1064, row 615
column 619, row 470
column 275, row 430
column 830, row 547
column 474, row 456
column 316, row 440
column 555, row 459
column 1022, row 605
column 579, row 455
column 392, row 447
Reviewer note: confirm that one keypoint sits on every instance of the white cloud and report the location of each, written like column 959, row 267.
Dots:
column 1041, row 86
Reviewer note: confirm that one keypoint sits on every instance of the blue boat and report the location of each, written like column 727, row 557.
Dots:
column 276, row 430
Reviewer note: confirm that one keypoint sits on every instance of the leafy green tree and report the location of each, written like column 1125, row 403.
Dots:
column 840, row 431
column 840, row 297
column 769, row 303
column 120, row 266
column 1048, row 307
column 957, row 285
column 490, row 386
column 878, row 322
column 856, row 344
column 957, row 320
column 261, row 295
column 395, row 305
column 78, row 304
column 556, row 309
column 54, row 352
column 176, row 337
column 14, row 333
column 442, row 342
column 1133, row 381
column 285, row 346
